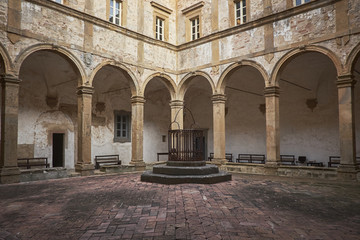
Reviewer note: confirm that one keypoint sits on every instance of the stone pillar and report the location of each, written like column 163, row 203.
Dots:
column 137, row 132
column 219, row 128
column 84, row 164
column 347, row 169
column 177, row 114
column 9, row 171
column 272, row 126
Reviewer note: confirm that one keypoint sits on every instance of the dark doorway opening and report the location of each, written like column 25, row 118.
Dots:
column 58, row 150
column 201, row 144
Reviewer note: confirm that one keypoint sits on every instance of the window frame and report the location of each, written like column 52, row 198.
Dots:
column 195, row 28
column 122, row 114
column 191, row 13
column 163, row 13
column 301, row 2
column 112, row 12
column 159, row 28
column 232, row 12
column 241, row 11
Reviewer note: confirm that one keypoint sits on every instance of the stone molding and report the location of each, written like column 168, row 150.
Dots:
column 85, row 90
column 273, row 91
column 138, row 100
column 176, row 104
column 345, row 81
column 218, row 98
column 7, row 78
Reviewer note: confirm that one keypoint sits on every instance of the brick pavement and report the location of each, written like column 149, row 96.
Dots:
column 122, row 207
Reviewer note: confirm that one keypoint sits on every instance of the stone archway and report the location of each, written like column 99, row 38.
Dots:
column 48, row 88
column 309, row 124
column 158, row 92
column 245, row 117
column 111, row 129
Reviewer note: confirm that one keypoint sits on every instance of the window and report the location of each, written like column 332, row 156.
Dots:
column 195, row 28
column 193, row 21
column 115, row 12
column 161, row 16
column 58, row 1
column 240, row 12
column 159, row 32
column 299, row 2
column 122, row 121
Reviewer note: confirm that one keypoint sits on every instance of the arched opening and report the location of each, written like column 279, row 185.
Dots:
column 199, row 111
column 356, row 74
column 309, row 124
column 156, row 119
column 111, row 113
column 48, row 108
column 245, row 112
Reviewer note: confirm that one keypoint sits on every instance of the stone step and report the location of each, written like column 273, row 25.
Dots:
column 221, row 176
column 185, row 170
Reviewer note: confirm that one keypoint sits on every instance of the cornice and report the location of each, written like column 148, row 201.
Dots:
column 193, row 7
column 161, row 7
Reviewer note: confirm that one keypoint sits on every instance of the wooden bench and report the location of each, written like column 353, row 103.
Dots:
column 228, row 156
column 334, row 161
column 106, row 160
column 159, row 154
column 287, row 159
column 251, row 158
column 33, row 162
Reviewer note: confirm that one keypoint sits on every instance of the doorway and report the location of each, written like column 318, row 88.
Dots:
column 58, row 149
column 201, row 144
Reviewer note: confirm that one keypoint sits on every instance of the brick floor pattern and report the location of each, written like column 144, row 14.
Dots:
column 123, row 207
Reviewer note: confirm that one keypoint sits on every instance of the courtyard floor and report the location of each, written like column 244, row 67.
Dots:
column 123, row 207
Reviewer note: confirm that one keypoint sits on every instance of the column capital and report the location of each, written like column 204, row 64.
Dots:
column 8, row 78
column 273, row 91
column 137, row 100
column 85, row 90
column 218, row 98
column 176, row 103
column 344, row 81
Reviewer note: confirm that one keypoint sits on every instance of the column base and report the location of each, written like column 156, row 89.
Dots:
column 219, row 161
column 348, row 173
column 139, row 165
column 271, row 167
column 9, row 175
column 85, row 169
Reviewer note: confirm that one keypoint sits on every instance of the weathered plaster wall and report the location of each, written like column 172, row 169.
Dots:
column 354, row 16
column 278, row 5
column 242, row 43
column 197, row 56
column 47, row 23
column 3, row 13
column 303, row 27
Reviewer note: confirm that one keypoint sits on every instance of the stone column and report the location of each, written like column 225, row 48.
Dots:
column 219, row 128
column 177, row 114
column 347, row 169
column 84, row 164
column 137, row 132
column 272, row 126
column 9, row 171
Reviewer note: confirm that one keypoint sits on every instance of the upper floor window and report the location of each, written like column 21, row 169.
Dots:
column 122, row 131
column 58, row 1
column 193, row 21
column 299, row 2
column 159, row 32
column 195, row 28
column 115, row 12
column 240, row 12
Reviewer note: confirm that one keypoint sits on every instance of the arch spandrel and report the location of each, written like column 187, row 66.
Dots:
column 296, row 52
column 352, row 58
column 230, row 69
column 184, row 83
column 48, row 47
column 166, row 79
column 5, row 59
column 134, row 85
